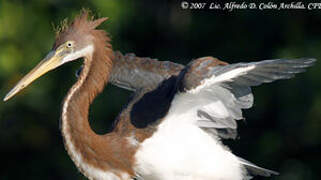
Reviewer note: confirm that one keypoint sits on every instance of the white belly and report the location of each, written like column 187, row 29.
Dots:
column 179, row 150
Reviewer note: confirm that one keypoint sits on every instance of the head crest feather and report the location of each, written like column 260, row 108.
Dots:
column 83, row 24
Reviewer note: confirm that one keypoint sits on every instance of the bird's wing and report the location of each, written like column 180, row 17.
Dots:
column 213, row 94
column 134, row 73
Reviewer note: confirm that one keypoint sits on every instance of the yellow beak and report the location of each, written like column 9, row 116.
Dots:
column 50, row 62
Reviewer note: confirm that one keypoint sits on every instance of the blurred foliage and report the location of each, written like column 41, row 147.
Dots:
column 281, row 131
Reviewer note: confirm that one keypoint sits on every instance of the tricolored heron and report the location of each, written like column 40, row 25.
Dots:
column 173, row 126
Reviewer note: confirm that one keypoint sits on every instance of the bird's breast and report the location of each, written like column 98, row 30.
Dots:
column 181, row 150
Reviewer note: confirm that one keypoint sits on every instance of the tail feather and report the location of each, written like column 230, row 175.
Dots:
column 256, row 170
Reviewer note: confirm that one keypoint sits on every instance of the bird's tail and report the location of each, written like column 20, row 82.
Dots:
column 253, row 169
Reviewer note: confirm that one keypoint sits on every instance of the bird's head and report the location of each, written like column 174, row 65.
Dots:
column 73, row 41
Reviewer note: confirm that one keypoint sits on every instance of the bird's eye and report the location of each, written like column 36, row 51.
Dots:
column 69, row 44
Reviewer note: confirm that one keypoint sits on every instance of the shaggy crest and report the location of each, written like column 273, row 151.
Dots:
column 83, row 24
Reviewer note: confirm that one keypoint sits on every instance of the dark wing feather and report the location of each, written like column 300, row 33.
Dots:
column 133, row 73
column 266, row 71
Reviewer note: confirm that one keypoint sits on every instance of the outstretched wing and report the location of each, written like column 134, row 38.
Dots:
column 217, row 93
column 213, row 94
column 134, row 73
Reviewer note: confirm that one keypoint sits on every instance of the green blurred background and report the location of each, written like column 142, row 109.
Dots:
column 281, row 131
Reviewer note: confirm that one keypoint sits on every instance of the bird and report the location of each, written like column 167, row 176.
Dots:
column 173, row 126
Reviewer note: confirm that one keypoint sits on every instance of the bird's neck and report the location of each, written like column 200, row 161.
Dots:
column 93, row 78
column 87, row 149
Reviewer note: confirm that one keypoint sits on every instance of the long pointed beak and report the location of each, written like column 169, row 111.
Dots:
column 51, row 61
